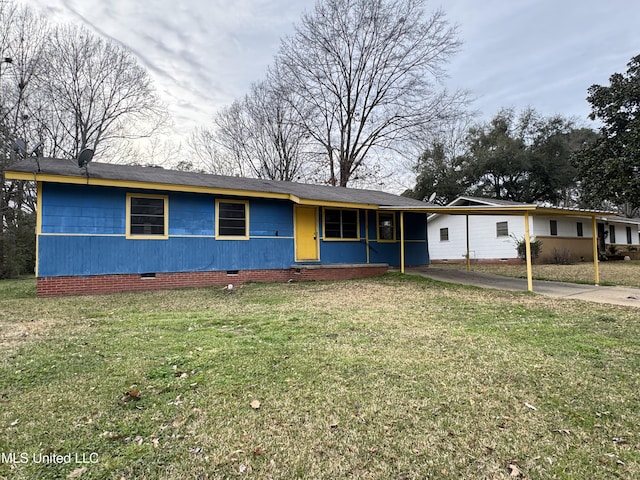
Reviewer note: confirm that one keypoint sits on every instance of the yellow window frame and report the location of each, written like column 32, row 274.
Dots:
column 393, row 226
column 246, row 236
column 357, row 238
column 134, row 236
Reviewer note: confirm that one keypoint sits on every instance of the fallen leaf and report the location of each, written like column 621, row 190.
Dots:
column 255, row 404
column 77, row 472
column 258, row 451
column 514, row 470
column 178, row 422
column 132, row 394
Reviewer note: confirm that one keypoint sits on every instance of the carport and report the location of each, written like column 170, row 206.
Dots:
column 524, row 210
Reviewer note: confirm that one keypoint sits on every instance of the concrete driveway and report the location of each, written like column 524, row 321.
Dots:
column 615, row 295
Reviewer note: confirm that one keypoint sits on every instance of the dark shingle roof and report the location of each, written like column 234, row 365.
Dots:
column 156, row 177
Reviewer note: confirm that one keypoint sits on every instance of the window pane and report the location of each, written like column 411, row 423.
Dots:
column 444, row 234
column 580, row 230
column 349, row 224
column 232, row 219
column 147, row 216
column 612, row 234
column 385, row 227
column 341, row 223
column 502, row 229
column 553, row 227
column 332, row 223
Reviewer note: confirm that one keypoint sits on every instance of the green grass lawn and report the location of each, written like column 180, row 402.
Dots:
column 390, row 378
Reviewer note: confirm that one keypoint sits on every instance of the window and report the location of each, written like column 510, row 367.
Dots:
column 629, row 241
column 444, row 234
column 502, row 229
column 580, row 229
column 341, row 224
column 553, row 227
column 386, row 227
column 612, row 234
column 232, row 219
column 147, row 216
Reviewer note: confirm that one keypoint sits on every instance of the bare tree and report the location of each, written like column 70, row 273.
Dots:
column 205, row 150
column 61, row 89
column 261, row 134
column 94, row 95
column 22, row 40
column 369, row 71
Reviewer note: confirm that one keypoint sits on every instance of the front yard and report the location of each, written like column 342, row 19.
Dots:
column 391, row 378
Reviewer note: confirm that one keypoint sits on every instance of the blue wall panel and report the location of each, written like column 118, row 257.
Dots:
column 271, row 218
column 191, row 214
column 85, row 255
column 343, row 252
column 82, row 209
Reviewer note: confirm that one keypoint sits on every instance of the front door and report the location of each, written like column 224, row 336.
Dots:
column 306, row 233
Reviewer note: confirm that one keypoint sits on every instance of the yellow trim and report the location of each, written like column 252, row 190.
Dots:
column 335, row 239
column 401, row 242
column 393, row 226
column 132, row 236
column 38, row 223
column 246, row 222
column 594, row 243
column 131, row 184
column 334, row 205
column 366, row 235
column 527, row 242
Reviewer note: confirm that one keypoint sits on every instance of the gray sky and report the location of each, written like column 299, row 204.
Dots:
column 202, row 54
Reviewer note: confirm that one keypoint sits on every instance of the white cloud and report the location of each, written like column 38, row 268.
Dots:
column 204, row 53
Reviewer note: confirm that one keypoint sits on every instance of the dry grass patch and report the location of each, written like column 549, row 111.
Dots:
column 611, row 273
column 397, row 377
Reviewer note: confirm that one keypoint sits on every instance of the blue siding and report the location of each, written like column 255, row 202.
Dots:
column 79, row 209
column 86, row 255
column 83, row 233
column 191, row 214
column 335, row 251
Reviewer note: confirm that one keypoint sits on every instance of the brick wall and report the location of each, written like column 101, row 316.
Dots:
column 99, row 284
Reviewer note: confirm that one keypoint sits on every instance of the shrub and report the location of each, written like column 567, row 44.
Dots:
column 521, row 248
column 561, row 256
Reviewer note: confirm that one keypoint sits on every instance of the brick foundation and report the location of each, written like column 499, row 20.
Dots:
column 99, row 284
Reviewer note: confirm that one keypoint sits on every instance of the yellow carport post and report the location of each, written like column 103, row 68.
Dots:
column 401, row 241
column 468, row 256
column 527, row 241
column 594, row 236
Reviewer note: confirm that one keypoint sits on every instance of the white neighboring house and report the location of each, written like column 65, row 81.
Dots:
column 492, row 238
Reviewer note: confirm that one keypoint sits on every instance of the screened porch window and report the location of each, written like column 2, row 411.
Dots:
column 386, row 226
